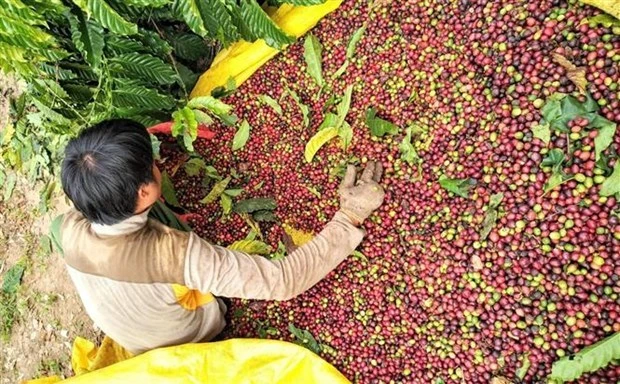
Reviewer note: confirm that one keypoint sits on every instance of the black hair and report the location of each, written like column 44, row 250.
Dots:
column 104, row 167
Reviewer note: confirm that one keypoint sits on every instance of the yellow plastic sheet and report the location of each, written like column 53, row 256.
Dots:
column 610, row 6
column 242, row 59
column 231, row 361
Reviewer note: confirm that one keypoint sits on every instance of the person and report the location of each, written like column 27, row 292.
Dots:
column 126, row 267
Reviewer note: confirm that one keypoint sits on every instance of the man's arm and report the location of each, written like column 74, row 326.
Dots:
column 228, row 273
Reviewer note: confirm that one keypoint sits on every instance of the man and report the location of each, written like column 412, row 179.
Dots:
column 126, row 267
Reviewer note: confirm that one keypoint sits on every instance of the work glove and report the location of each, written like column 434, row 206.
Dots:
column 358, row 199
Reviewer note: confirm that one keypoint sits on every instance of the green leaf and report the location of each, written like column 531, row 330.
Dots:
column 194, row 166
column 341, row 70
column 13, row 278
column 551, row 110
column 589, row 359
column 305, row 338
column 216, row 191
column 611, row 185
column 252, row 247
column 378, row 126
column 56, row 232
column 188, row 11
column 305, row 111
column 262, row 26
column 139, row 96
column 318, row 140
column 524, row 368
column 107, row 17
column 255, row 204
column 144, row 66
column 147, row 3
column 226, row 203
column 343, row 107
column 155, row 145
column 202, row 117
column 219, row 21
column 357, row 36
column 555, row 180
column 233, row 192
column 264, row 216
column 167, row 190
column 603, row 19
column 312, row 55
column 606, row 132
column 9, row 186
column 407, row 150
column 211, row 104
column 87, row 36
column 496, row 199
column 330, row 120
column 270, row 101
column 542, row 132
column 188, row 46
column 459, row 187
column 554, row 159
column 241, row 136
column 345, row 132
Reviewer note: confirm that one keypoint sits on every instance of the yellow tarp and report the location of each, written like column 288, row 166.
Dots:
column 610, row 6
column 230, row 361
column 242, row 59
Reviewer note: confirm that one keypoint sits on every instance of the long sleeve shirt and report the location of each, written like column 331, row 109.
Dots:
column 125, row 275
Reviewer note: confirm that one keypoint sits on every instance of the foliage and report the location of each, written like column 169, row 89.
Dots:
column 305, row 338
column 253, row 247
column 90, row 60
column 590, row 359
column 241, row 136
column 312, row 55
column 255, row 204
column 459, row 187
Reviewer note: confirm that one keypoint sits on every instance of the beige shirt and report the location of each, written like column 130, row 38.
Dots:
column 124, row 274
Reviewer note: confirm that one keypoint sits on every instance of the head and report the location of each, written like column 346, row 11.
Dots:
column 108, row 171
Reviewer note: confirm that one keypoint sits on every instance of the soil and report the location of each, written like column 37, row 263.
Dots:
column 48, row 313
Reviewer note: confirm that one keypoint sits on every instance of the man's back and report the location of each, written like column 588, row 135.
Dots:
column 125, row 275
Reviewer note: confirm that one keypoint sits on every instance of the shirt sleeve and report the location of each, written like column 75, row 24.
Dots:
column 223, row 272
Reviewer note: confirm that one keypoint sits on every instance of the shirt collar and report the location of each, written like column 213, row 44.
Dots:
column 124, row 227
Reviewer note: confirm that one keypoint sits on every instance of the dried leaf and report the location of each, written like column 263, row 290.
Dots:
column 575, row 74
column 500, row 380
column 476, row 263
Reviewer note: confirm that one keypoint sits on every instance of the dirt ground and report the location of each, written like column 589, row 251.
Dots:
column 47, row 313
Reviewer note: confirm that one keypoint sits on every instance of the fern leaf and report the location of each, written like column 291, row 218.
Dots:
column 218, row 21
column 79, row 93
column 24, row 12
column 262, row 26
column 188, row 11
column 87, row 36
column 117, row 45
column 154, row 42
column 145, row 66
column 57, row 73
column 188, row 46
column 107, row 16
column 148, row 3
column 187, row 76
column 139, row 96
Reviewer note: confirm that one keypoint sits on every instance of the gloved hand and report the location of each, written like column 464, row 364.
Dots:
column 359, row 200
